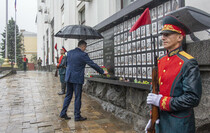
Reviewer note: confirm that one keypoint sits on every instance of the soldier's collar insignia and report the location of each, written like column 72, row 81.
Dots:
column 175, row 51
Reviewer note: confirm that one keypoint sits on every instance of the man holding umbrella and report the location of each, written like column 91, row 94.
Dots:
column 62, row 70
column 76, row 61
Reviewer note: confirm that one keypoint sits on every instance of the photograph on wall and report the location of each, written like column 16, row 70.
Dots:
column 115, row 30
column 160, row 42
column 133, row 47
column 133, row 35
column 118, row 39
column 161, row 53
column 149, row 72
column 144, row 59
column 118, row 28
column 122, row 49
column 126, row 48
column 134, row 59
column 148, row 29
column 149, row 46
column 118, row 50
column 118, row 61
column 126, row 60
column 138, row 44
column 143, row 45
column 167, row 7
column 115, row 50
column 154, row 28
column 160, row 11
column 130, row 72
column 130, row 60
column 143, row 31
column 138, row 59
column 125, row 25
column 122, row 60
column 126, row 71
column 125, row 37
column 118, row 71
column 139, row 72
column 149, row 58
column 121, row 27
column 156, row 43
column 134, row 72
column 129, row 47
column 144, row 72
column 133, row 21
column 138, row 33
column 115, row 71
column 121, row 38
column 129, row 36
column 122, row 72
column 154, row 14
column 129, row 24
column 160, row 25
column 175, row 4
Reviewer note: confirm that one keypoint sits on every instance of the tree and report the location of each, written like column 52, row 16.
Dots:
column 11, row 43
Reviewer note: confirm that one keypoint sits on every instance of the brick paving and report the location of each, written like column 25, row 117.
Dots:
column 29, row 104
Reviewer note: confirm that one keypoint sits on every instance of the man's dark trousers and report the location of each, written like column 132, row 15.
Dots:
column 77, row 88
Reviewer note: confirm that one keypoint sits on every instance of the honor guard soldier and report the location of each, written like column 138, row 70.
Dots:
column 62, row 70
column 179, row 82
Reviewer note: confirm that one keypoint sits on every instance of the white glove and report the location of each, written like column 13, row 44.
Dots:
column 154, row 99
column 149, row 124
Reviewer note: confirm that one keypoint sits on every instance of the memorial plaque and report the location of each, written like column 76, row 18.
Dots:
column 108, row 49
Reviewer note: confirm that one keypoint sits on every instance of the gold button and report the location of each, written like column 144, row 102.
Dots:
column 158, row 61
column 164, row 71
column 161, row 83
column 180, row 63
column 168, row 59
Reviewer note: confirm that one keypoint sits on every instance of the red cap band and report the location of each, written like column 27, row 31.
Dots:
column 174, row 28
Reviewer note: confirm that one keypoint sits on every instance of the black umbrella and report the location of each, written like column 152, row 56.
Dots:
column 78, row 32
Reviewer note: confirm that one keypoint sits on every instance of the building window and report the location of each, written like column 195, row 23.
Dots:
column 82, row 16
column 125, row 3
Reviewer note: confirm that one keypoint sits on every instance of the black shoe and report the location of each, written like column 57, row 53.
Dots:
column 61, row 93
column 66, row 117
column 80, row 119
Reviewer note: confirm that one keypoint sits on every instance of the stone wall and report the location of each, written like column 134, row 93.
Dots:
column 129, row 104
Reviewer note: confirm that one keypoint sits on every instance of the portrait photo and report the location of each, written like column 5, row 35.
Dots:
column 121, row 27
column 122, row 49
column 143, row 31
column 138, row 46
column 121, row 38
column 122, row 74
column 167, row 7
column 154, row 14
column 160, row 25
column 118, row 71
column 129, row 47
column 154, row 28
column 118, row 61
column 126, row 48
column 134, row 72
column 138, row 33
column 125, row 25
column 144, row 72
column 148, row 30
column 160, row 42
column 129, row 36
column 139, row 72
column 133, row 35
column 175, row 4
column 149, row 46
column 129, row 24
column 160, row 11
column 126, row 71
column 125, row 37
column 115, row 30
column 126, row 60
column 118, row 50
column 149, row 72
column 133, row 21
column 122, row 61
column 130, row 60
column 130, row 72
column 144, row 59
column 138, row 59
column 133, row 47
column 115, row 72
column 134, row 59
column 143, row 45
column 149, row 58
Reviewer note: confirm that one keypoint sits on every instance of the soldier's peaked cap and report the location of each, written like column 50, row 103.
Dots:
column 172, row 25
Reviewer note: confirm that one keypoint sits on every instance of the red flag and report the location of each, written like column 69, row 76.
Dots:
column 56, row 46
column 143, row 20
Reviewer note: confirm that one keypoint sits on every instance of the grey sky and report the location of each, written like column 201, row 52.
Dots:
column 26, row 14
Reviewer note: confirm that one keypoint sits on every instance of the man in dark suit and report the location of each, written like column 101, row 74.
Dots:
column 76, row 61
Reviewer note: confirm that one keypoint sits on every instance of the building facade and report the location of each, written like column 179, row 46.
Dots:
column 29, row 41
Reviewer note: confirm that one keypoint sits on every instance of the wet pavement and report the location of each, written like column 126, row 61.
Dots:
column 29, row 104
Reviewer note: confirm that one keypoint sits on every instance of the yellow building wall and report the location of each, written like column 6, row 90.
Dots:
column 30, row 45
